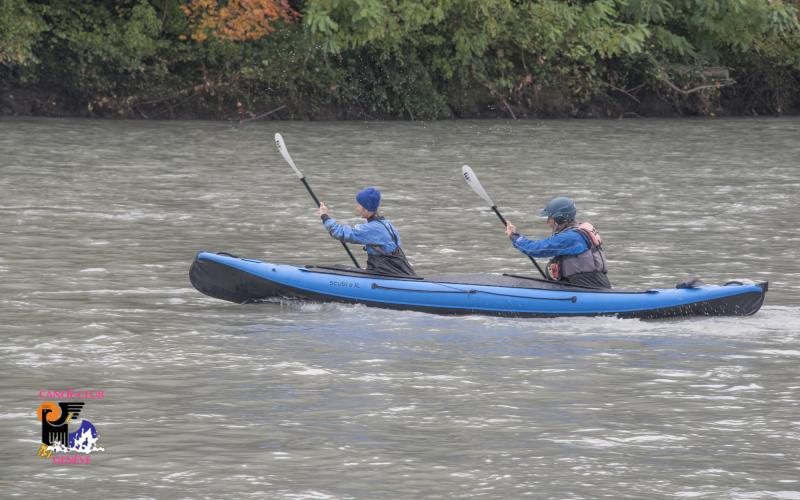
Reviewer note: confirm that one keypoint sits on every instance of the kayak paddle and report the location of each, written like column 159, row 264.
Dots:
column 476, row 186
column 285, row 153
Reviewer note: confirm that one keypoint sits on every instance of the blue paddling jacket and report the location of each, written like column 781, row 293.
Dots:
column 381, row 241
column 575, row 257
column 563, row 243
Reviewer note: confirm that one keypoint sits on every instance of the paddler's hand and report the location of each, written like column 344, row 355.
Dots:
column 510, row 229
column 323, row 210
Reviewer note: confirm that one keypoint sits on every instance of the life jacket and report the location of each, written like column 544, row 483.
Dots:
column 589, row 268
column 394, row 262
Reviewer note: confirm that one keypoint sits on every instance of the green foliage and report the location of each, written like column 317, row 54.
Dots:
column 20, row 28
column 409, row 58
column 100, row 49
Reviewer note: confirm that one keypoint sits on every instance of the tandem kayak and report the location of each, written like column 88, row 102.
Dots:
column 240, row 280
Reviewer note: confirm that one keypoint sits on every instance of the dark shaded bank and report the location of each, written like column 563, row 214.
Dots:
column 44, row 103
column 406, row 59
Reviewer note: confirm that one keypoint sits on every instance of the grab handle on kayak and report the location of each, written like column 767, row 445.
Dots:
column 471, row 291
column 376, row 286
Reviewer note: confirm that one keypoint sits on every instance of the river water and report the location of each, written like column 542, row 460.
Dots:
column 100, row 220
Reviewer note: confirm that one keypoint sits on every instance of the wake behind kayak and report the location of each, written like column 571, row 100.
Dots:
column 239, row 280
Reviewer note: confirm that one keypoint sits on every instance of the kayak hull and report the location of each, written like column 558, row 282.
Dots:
column 242, row 281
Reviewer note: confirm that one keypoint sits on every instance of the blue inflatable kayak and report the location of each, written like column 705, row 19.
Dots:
column 235, row 279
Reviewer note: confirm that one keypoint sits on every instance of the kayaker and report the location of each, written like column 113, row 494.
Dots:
column 379, row 237
column 576, row 250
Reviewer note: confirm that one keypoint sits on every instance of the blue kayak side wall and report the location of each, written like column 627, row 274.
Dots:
column 441, row 297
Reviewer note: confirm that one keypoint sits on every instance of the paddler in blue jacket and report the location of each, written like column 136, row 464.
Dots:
column 379, row 237
column 576, row 250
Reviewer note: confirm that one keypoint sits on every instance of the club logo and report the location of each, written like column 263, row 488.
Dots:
column 67, row 438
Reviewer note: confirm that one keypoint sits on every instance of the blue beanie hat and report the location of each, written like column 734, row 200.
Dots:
column 369, row 198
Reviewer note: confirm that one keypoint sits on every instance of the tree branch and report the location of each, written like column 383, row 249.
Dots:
column 696, row 89
column 626, row 92
column 262, row 115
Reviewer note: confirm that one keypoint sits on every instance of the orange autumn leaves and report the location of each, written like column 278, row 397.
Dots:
column 235, row 20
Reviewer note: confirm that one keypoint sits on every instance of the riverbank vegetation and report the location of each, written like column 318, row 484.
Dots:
column 407, row 59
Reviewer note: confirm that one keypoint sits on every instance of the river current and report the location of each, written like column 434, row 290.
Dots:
column 100, row 221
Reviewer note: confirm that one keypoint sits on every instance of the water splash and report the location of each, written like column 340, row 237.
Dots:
column 83, row 440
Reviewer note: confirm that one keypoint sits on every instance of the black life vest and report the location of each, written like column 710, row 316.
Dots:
column 394, row 262
column 589, row 268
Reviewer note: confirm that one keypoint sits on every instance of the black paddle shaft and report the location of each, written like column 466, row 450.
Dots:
column 505, row 223
column 308, row 188
column 316, row 200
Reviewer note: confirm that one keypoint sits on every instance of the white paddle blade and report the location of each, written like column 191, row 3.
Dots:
column 285, row 153
column 475, row 184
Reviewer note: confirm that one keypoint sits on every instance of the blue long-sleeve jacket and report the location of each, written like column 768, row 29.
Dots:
column 373, row 234
column 563, row 243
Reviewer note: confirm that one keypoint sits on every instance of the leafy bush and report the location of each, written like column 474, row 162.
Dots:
column 417, row 59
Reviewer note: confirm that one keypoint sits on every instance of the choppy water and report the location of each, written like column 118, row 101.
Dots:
column 99, row 222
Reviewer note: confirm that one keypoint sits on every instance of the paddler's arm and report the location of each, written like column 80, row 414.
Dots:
column 343, row 232
column 566, row 243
